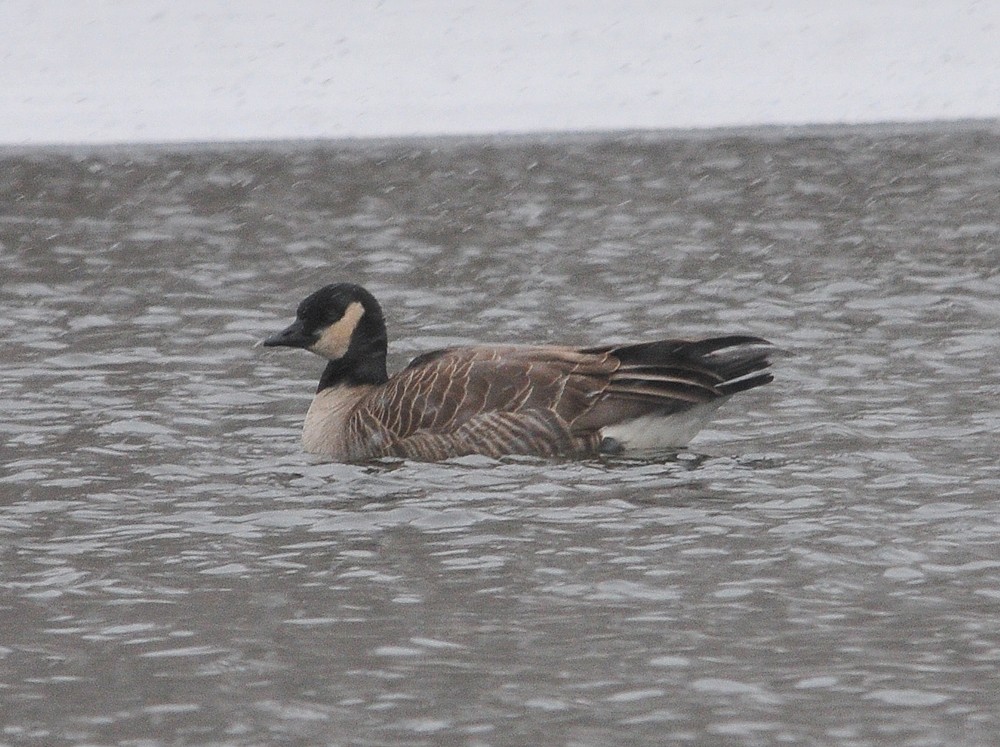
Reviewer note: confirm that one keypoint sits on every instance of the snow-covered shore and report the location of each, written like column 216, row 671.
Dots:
column 191, row 70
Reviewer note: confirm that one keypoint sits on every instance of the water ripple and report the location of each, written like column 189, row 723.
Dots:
column 820, row 567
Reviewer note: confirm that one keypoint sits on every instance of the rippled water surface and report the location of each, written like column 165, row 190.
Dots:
column 821, row 567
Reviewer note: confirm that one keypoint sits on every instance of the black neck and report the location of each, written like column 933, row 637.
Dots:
column 367, row 369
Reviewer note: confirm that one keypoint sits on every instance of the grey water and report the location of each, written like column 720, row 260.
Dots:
column 821, row 566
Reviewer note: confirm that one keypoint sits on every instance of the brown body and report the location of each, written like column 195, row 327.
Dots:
column 543, row 400
column 491, row 401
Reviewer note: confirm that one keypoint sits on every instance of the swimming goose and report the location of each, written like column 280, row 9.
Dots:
column 496, row 400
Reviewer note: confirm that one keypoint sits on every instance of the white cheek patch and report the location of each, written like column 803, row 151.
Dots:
column 336, row 338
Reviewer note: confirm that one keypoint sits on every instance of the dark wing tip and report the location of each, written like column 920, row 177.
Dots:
column 741, row 385
column 710, row 367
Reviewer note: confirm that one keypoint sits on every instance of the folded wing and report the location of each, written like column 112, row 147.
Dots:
column 551, row 400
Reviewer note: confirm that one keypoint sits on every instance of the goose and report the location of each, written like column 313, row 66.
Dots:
column 498, row 400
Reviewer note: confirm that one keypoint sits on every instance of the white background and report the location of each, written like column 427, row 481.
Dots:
column 165, row 70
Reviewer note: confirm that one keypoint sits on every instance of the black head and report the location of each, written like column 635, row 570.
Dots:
column 344, row 324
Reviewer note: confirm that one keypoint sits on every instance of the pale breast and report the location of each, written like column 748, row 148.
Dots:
column 325, row 429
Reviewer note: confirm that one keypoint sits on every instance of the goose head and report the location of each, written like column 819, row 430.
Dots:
column 344, row 324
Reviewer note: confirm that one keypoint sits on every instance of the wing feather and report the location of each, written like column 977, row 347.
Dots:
column 496, row 434
column 546, row 400
column 441, row 392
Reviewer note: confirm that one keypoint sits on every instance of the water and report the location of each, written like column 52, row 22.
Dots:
column 821, row 567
